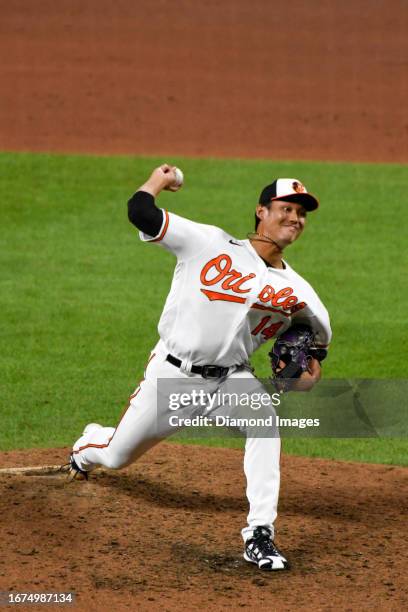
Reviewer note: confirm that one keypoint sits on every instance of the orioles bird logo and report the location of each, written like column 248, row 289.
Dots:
column 298, row 187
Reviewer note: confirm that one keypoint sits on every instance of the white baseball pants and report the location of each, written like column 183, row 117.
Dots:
column 138, row 431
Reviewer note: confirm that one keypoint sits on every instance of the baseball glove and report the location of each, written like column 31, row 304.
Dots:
column 295, row 347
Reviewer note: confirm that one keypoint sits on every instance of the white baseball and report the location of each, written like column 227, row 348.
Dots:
column 179, row 177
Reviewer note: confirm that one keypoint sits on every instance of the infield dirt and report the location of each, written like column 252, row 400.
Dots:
column 274, row 80
column 164, row 534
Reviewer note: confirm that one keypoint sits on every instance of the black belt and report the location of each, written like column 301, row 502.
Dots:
column 206, row 371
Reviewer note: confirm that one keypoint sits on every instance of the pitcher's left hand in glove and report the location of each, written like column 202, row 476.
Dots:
column 295, row 359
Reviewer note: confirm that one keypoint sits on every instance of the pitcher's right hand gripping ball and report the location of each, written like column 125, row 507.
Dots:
column 291, row 354
column 177, row 175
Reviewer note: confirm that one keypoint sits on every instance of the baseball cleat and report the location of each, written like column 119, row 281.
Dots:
column 73, row 471
column 260, row 549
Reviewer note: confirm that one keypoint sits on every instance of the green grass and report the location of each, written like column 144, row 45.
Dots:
column 81, row 296
column 392, row 452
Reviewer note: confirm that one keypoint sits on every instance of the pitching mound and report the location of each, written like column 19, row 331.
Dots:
column 164, row 534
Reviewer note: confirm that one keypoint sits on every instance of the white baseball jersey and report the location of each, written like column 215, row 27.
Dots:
column 224, row 301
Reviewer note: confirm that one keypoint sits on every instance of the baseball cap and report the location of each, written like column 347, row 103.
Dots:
column 290, row 190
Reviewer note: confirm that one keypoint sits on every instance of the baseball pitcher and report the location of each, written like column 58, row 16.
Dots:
column 228, row 296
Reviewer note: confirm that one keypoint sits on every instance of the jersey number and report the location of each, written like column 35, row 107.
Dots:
column 267, row 332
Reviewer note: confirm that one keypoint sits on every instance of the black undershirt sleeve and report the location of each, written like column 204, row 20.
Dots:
column 144, row 214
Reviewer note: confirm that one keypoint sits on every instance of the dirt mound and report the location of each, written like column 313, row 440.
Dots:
column 164, row 533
